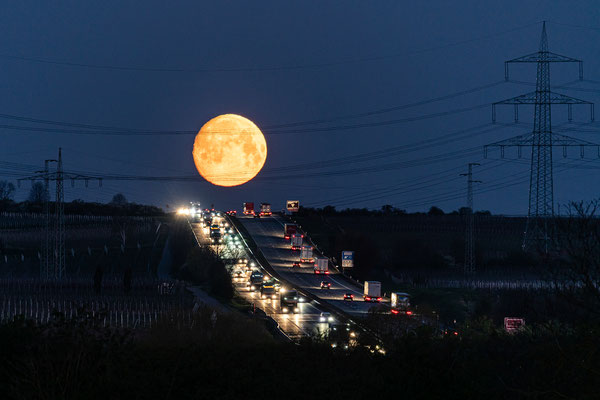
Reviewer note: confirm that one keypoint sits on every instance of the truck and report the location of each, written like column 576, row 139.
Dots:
column 256, row 281
column 289, row 301
column 306, row 254
column 248, row 208
column 372, row 291
column 289, row 230
column 321, row 266
column 296, row 241
column 265, row 210
column 401, row 303
column 267, row 291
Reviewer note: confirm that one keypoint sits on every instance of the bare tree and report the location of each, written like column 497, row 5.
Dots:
column 575, row 266
column 119, row 199
column 7, row 190
column 37, row 194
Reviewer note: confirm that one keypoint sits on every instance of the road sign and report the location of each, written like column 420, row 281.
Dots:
column 347, row 259
column 293, row 205
column 513, row 324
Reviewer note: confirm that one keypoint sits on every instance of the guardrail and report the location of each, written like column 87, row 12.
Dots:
column 268, row 318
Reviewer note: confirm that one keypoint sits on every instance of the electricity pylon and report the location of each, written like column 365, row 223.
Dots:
column 541, row 140
column 470, row 231
column 55, row 267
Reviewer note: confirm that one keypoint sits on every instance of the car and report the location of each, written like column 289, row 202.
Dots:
column 348, row 296
column 239, row 274
column 325, row 317
column 325, row 285
column 450, row 332
column 296, row 264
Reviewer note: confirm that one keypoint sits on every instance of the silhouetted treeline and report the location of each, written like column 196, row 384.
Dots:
column 80, row 207
column 199, row 265
column 384, row 210
column 231, row 357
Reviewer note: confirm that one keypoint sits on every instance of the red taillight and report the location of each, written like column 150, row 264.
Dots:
column 379, row 299
column 368, row 298
column 409, row 313
column 316, row 271
column 455, row 333
column 327, row 272
column 394, row 311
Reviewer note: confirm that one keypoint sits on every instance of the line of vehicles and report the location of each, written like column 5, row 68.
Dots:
column 264, row 210
column 400, row 302
column 220, row 231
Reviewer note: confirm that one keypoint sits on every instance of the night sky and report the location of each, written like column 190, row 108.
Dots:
column 172, row 66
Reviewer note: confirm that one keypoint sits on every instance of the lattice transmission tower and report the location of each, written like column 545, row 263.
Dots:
column 541, row 140
column 53, row 266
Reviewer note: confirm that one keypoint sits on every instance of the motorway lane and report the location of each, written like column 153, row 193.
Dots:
column 304, row 323
column 268, row 235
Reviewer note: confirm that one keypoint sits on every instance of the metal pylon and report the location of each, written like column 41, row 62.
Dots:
column 541, row 185
column 53, row 266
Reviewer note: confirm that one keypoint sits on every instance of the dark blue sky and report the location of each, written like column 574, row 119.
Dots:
column 299, row 61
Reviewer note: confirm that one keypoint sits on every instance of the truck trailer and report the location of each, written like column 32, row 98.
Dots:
column 265, row 210
column 296, row 241
column 321, row 266
column 372, row 291
column 401, row 303
column 248, row 208
column 306, row 254
column 289, row 230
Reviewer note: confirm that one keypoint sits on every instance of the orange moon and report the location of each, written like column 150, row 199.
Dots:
column 229, row 150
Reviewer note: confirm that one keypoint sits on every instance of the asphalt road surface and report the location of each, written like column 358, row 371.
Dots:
column 267, row 232
column 306, row 322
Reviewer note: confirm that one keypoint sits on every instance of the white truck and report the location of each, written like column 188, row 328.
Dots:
column 321, row 266
column 306, row 254
column 296, row 241
column 401, row 303
column 372, row 291
column 265, row 210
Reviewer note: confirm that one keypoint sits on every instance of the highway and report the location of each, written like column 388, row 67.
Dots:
column 267, row 232
column 304, row 323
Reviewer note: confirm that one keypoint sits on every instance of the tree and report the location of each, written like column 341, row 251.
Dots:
column 435, row 211
column 7, row 190
column 575, row 265
column 37, row 194
column 119, row 199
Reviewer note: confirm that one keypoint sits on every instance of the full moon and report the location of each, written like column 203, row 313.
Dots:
column 229, row 150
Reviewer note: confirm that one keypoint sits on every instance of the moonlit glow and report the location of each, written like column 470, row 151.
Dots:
column 229, row 150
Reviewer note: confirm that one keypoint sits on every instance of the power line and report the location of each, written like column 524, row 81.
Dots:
column 113, row 67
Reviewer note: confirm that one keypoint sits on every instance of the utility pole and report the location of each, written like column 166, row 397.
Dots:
column 541, row 140
column 59, row 227
column 469, row 265
column 46, row 265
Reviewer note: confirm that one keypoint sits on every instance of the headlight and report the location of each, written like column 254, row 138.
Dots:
column 284, row 309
